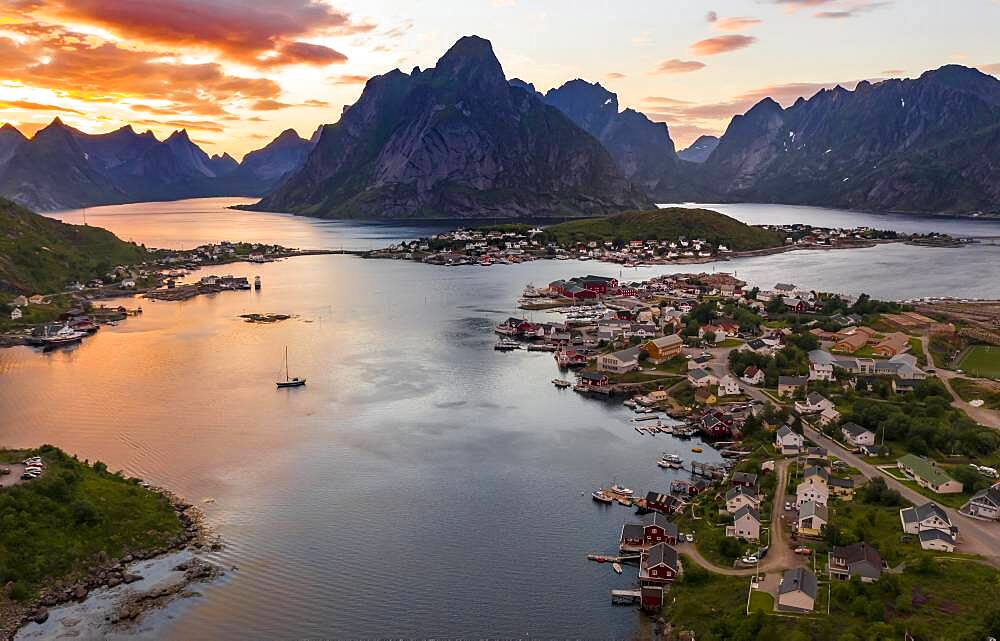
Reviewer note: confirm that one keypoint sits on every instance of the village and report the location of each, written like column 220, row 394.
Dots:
column 511, row 244
column 848, row 457
column 50, row 321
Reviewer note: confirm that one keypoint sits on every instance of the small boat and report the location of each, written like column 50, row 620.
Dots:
column 620, row 489
column 561, row 382
column 256, row 282
column 506, row 345
column 290, row 381
column 697, row 450
column 670, row 460
column 602, row 497
column 646, row 418
column 617, row 567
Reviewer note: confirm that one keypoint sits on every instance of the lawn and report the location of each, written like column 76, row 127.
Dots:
column 982, row 360
column 761, row 602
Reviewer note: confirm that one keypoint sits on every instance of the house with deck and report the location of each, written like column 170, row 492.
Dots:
column 659, row 565
column 929, row 516
column 857, row 436
column 746, row 524
column 984, row 504
column 797, row 591
column 739, row 497
column 787, row 441
column 812, row 518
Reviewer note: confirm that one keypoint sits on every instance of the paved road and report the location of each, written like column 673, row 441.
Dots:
column 977, row 537
column 981, row 415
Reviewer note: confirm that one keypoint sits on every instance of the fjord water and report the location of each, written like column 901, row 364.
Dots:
column 421, row 484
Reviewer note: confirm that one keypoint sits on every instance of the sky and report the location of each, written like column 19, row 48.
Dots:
column 236, row 73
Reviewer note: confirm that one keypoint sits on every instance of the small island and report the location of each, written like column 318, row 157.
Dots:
column 74, row 527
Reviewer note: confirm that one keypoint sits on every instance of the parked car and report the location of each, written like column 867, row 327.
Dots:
column 750, row 560
column 803, row 550
column 689, row 537
column 4, row 470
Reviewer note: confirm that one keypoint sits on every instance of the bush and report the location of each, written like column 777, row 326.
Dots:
column 19, row 592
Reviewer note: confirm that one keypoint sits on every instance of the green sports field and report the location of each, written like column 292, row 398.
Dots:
column 982, row 360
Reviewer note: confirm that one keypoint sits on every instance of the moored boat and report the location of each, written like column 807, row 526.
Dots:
column 621, row 489
column 561, row 382
column 602, row 497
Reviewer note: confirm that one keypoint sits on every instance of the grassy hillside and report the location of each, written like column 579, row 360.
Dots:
column 41, row 255
column 57, row 524
column 666, row 224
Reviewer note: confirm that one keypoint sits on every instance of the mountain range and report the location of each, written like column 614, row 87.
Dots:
column 461, row 141
column 62, row 168
column 455, row 141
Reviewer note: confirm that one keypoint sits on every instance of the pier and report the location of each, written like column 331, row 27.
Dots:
column 626, row 597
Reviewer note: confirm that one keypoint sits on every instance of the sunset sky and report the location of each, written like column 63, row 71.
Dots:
column 236, row 73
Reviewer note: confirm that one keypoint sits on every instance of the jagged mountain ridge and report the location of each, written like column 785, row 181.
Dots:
column 454, row 141
column 61, row 167
column 699, row 150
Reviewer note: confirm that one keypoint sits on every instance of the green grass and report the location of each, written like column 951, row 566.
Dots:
column 761, row 602
column 971, row 390
column 55, row 525
column 982, row 361
column 41, row 255
column 666, row 224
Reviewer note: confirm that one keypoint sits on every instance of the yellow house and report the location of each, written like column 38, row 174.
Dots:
column 664, row 348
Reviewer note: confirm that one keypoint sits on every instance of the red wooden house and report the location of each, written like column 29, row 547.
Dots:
column 659, row 565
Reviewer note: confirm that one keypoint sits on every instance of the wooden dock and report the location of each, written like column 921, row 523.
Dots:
column 626, row 597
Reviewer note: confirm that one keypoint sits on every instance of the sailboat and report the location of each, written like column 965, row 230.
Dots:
column 294, row 381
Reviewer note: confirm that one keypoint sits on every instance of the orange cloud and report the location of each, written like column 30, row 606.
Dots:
column 349, row 79
column 993, row 69
column 34, row 106
column 675, row 65
column 736, row 23
column 261, row 33
column 614, row 75
column 268, row 105
column 721, row 44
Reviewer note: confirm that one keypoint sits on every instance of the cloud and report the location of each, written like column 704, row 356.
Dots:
column 349, row 79
column 663, row 100
column 198, row 125
column 735, row 23
column 721, row 44
column 893, row 72
column 614, row 75
column 35, row 106
column 675, row 65
column 993, row 68
column 260, row 33
column 269, row 105
column 312, row 102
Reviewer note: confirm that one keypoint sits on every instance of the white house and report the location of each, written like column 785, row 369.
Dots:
column 787, row 441
column 728, row 386
column 740, row 497
column 812, row 489
column 857, row 436
column 746, row 524
column 820, row 366
column 928, row 516
column 621, row 362
column 701, row 378
column 814, row 403
column 128, row 283
column 15, row 313
column 753, row 376
column 985, row 504
column 828, row 416
column 20, row 301
column 940, row 540
column 812, row 518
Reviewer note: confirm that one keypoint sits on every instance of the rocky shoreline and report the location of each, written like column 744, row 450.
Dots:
column 106, row 574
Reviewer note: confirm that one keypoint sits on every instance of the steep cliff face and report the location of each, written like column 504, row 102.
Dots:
column 454, row 141
column 280, row 157
column 641, row 148
column 922, row 145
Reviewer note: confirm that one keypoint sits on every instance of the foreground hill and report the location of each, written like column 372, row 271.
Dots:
column 667, row 224
column 42, row 255
column 454, row 141
column 928, row 145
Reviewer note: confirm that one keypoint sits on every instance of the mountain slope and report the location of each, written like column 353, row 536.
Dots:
column 40, row 255
column 10, row 141
column 925, row 145
column 641, row 148
column 700, row 149
column 454, row 141
column 278, row 158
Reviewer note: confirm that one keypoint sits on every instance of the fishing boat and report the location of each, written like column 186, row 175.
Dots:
column 602, row 497
column 506, row 345
column 65, row 335
column 617, row 567
column 670, row 460
column 290, row 381
column 621, row 489
column 256, row 282
column 561, row 382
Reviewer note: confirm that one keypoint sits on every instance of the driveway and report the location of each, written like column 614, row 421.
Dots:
column 977, row 537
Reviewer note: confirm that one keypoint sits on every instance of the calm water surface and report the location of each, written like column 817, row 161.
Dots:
column 422, row 484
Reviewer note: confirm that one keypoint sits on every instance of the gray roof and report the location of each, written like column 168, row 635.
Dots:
column 935, row 534
column 854, row 429
column 629, row 354
column 821, row 357
column 698, row 373
column 746, row 509
column 811, row 509
column 633, row 531
column 817, row 471
column 745, row 477
column 660, row 520
column 798, row 579
column 859, row 553
column 990, row 495
column 846, row 483
column 784, row 431
column 738, row 490
column 660, row 554
column 792, row 380
column 924, row 512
